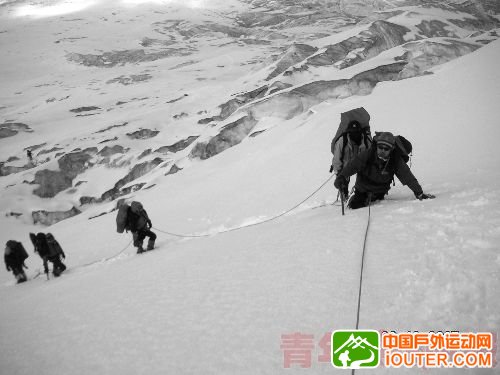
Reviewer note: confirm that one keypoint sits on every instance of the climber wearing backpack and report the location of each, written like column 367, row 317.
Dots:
column 138, row 222
column 14, row 258
column 50, row 251
column 352, row 137
column 375, row 170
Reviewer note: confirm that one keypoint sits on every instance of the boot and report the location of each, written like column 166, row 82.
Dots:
column 151, row 244
column 140, row 250
column 21, row 277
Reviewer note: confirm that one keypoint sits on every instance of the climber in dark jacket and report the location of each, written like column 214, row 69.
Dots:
column 375, row 170
column 139, row 224
column 14, row 258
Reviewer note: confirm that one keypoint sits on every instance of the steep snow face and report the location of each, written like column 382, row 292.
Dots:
column 221, row 303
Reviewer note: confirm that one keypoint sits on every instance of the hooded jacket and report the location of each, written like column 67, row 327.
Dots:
column 375, row 175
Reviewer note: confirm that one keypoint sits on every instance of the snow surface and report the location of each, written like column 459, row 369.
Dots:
column 219, row 304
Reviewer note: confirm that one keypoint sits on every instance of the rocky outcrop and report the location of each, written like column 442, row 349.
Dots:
column 49, row 218
column 6, row 170
column 230, row 135
column 51, row 182
column 137, row 171
column 9, row 129
column 109, row 151
column 173, row 170
column 178, row 146
column 426, row 54
column 379, row 37
column 231, row 106
column 129, row 80
column 143, row 134
column 291, row 103
column 295, row 54
column 70, row 165
column 111, row 59
column 84, row 109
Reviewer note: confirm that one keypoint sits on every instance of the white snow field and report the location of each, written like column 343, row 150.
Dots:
column 219, row 304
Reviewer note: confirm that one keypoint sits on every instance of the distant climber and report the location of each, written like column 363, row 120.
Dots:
column 14, row 258
column 30, row 155
column 375, row 170
column 134, row 218
column 50, row 251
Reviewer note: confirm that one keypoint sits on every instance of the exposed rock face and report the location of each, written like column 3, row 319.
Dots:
column 289, row 104
column 178, row 146
column 278, row 86
column 137, row 171
column 49, row 218
column 295, row 54
column 143, row 134
column 173, row 170
column 379, row 37
column 228, row 108
column 426, row 54
column 70, row 165
column 129, row 80
column 51, row 183
column 9, row 129
column 6, row 170
column 229, row 136
column 84, row 109
column 111, row 59
column 108, row 151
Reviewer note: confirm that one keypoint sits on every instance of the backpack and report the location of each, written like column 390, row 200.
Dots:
column 41, row 246
column 363, row 118
column 121, row 218
column 18, row 249
column 54, row 247
column 404, row 148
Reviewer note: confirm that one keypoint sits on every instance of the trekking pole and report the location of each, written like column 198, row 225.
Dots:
column 342, row 200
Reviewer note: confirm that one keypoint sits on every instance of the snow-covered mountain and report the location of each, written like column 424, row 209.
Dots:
column 217, row 116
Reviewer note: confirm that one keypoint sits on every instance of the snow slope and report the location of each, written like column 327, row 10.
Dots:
column 219, row 304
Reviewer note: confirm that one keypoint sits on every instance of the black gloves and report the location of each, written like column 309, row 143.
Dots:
column 8, row 268
column 422, row 195
column 331, row 168
column 340, row 182
column 150, row 224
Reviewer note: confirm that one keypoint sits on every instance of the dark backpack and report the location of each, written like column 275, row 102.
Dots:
column 359, row 115
column 121, row 218
column 18, row 249
column 404, row 148
column 41, row 246
column 53, row 245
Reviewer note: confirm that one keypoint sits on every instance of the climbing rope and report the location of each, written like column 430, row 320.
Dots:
column 247, row 225
column 362, row 265
column 105, row 259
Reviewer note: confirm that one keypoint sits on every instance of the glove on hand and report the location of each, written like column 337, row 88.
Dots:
column 424, row 196
column 150, row 224
column 340, row 182
column 331, row 168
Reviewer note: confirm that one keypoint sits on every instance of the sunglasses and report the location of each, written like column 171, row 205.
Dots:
column 384, row 148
